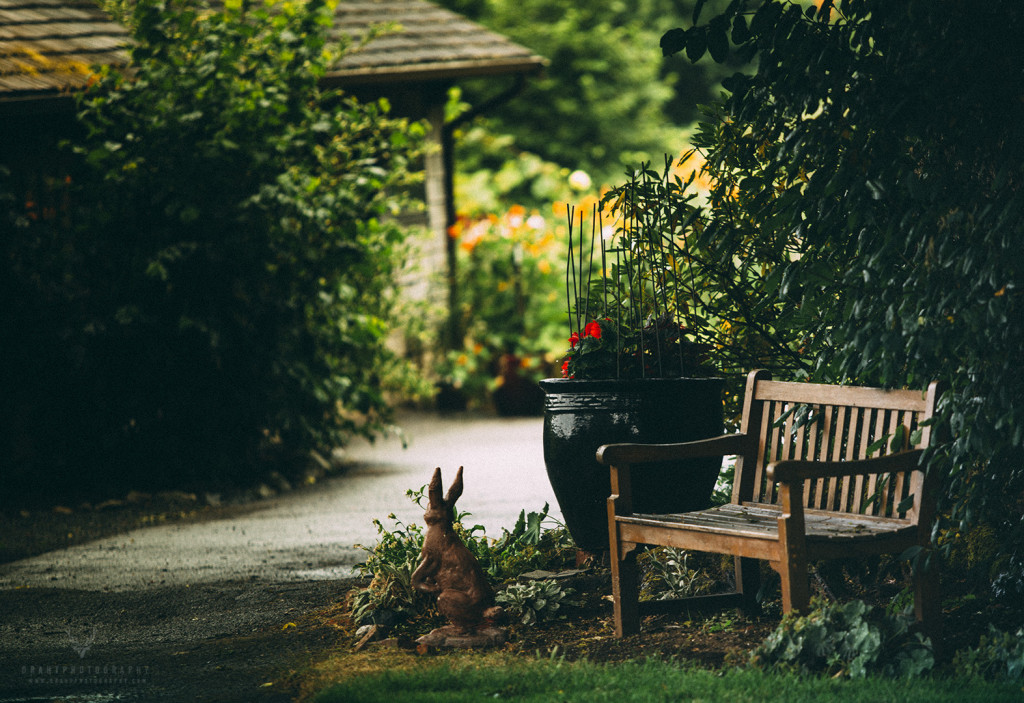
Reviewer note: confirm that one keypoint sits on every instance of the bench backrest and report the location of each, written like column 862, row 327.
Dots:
column 835, row 423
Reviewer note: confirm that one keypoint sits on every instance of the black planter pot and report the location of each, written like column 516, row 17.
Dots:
column 580, row 416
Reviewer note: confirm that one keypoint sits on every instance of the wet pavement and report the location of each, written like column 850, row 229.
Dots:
column 222, row 610
column 311, row 533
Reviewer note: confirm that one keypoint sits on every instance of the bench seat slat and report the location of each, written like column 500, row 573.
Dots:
column 761, row 522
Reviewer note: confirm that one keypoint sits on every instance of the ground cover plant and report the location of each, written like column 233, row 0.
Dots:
column 389, row 597
column 999, row 656
column 855, row 631
column 851, row 639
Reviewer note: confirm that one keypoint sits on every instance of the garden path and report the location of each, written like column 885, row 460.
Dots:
column 311, row 533
column 221, row 610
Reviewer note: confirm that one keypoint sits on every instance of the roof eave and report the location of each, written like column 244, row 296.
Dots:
column 431, row 72
column 40, row 103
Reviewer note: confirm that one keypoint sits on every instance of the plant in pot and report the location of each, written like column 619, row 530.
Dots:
column 634, row 370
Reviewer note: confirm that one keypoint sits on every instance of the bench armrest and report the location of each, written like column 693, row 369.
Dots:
column 793, row 471
column 624, row 454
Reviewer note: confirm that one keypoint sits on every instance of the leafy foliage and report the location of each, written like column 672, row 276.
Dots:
column 666, row 574
column 607, row 99
column 528, row 546
column 535, row 602
column 633, row 275
column 391, row 562
column 510, row 266
column 851, row 640
column 866, row 188
column 999, row 656
column 221, row 277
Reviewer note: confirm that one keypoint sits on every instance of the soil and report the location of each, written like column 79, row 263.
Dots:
column 251, row 641
column 709, row 639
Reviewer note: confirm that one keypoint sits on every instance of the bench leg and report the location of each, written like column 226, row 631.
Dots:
column 792, row 564
column 928, row 600
column 796, row 585
column 748, row 582
column 625, row 590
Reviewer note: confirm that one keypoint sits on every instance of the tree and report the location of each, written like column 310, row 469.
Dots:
column 607, row 99
column 872, row 171
column 218, row 290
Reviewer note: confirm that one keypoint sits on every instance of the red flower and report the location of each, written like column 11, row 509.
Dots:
column 574, row 340
column 593, row 329
column 565, row 369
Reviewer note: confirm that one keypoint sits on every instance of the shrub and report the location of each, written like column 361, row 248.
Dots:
column 867, row 189
column 851, row 640
column 508, row 313
column 508, row 319
column 218, row 287
column 999, row 656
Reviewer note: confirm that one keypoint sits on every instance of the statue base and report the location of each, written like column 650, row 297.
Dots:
column 458, row 638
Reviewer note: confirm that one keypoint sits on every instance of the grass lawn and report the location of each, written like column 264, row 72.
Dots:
column 498, row 676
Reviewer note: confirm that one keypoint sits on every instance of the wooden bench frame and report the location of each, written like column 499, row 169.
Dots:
column 803, row 491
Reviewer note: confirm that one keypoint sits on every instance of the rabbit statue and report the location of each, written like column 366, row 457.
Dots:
column 449, row 569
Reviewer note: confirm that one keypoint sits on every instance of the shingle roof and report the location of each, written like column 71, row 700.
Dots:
column 431, row 43
column 47, row 46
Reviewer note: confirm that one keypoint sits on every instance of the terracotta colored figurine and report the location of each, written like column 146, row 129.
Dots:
column 449, row 569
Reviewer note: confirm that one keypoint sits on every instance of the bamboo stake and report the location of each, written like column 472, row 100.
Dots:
column 590, row 267
column 618, row 311
column 604, row 262
column 570, row 269
column 639, row 305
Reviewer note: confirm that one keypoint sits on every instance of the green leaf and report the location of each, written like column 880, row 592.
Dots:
column 899, row 438
column 765, row 17
column 877, row 444
column 696, row 44
column 673, row 41
column 911, row 553
column 697, row 7
column 718, row 39
column 740, row 30
column 905, row 505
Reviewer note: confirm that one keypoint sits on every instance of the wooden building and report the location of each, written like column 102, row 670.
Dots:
column 47, row 48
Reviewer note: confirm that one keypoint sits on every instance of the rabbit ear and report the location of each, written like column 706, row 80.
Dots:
column 434, row 489
column 455, row 490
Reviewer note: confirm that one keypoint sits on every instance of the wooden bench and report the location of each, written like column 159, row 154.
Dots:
column 817, row 477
